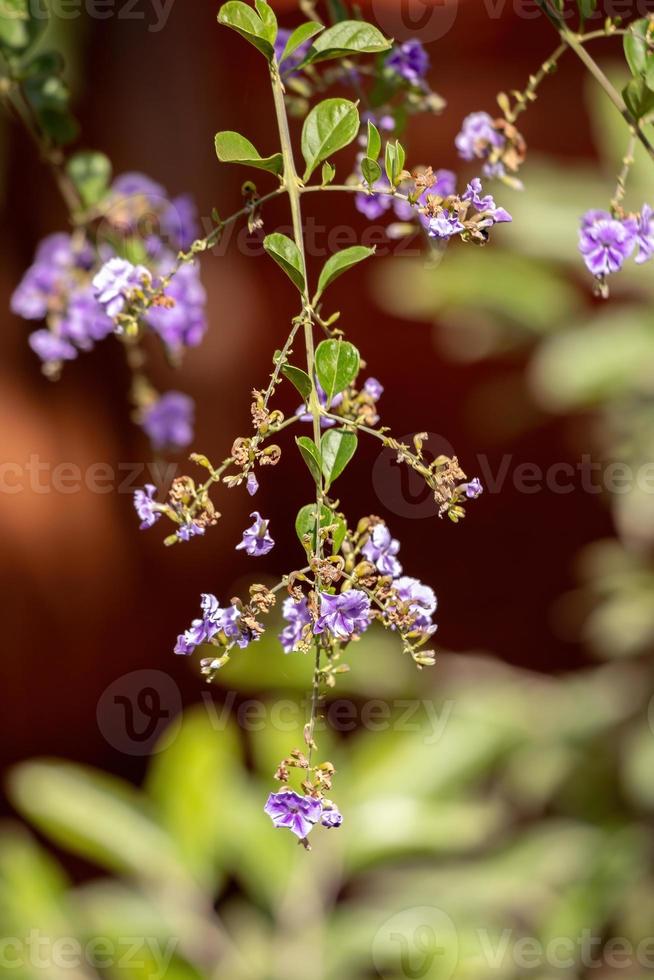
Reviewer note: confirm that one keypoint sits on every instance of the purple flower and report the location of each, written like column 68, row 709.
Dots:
column 381, row 549
column 605, row 242
column 477, row 135
column 51, row 276
column 190, row 529
column 331, row 815
column 168, row 423
column 409, row 60
column 420, row 600
column 372, row 205
column 51, row 348
column 373, row 388
column 306, row 416
column 486, row 204
column 445, row 225
column 252, row 484
column 474, row 489
column 179, row 223
column 256, row 540
column 445, row 184
column 134, row 184
column 201, row 630
column 297, row 813
column 343, row 615
column 297, row 617
column 645, row 240
column 84, row 321
column 115, row 281
column 146, row 506
column 185, row 323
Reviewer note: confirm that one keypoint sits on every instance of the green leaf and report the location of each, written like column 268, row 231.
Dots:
column 299, row 378
column 267, row 15
column 639, row 98
column 339, row 263
column 233, row 148
column 338, row 446
column 305, row 524
column 374, row 142
column 287, row 255
column 311, row 456
column 649, row 74
column 328, row 173
column 390, row 162
column 349, row 37
column 21, row 23
column 371, row 171
column 337, row 365
column 91, row 175
column 299, row 36
column 400, row 157
column 95, row 815
column 249, row 23
column 49, row 97
column 635, row 47
column 329, row 127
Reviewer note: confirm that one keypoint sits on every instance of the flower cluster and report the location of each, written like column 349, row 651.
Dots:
column 85, row 287
column 496, row 142
column 300, row 814
column 607, row 240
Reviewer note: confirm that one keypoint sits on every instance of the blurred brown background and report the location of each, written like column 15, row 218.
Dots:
column 86, row 597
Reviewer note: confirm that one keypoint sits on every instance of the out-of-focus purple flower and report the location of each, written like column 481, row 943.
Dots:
column 409, row 60
column 134, row 184
column 296, row 813
column 256, row 540
column 645, row 239
column 381, row 549
column 252, row 484
column 420, row 599
column 445, row 183
column 477, row 136
column 190, row 529
column 373, row 205
column 146, row 506
column 297, row 617
column 51, row 348
column 84, row 321
column 185, row 323
column 343, row 615
column 114, row 283
column 331, row 815
column 179, row 223
column 291, row 63
column 474, row 489
column 50, row 277
column 605, row 242
column 485, row 203
column 445, row 225
column 168, row 423
column 373, row 388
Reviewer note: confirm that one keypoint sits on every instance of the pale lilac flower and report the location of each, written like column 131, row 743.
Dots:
column 372, row 205
column 115, row 282
column 331, row 815
column 409, row 60
column 179, row 223
column 201, row 630
column 486, row 204
column 645, row 240
column 420, row 599
column 306, row 416
column 146, row 506
column 252, row 484
column 373, row 388
column 51, row 348
column 343, row 615
column 256, row 540
column 477, row 136
column 445, row 225
column 474, row 489
column 296, row 813
column 297, row 617
column 380, row 549
column 84, row 321
column 168, row 423
column 190, row 529
column 185, row 323
column 605, row 242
